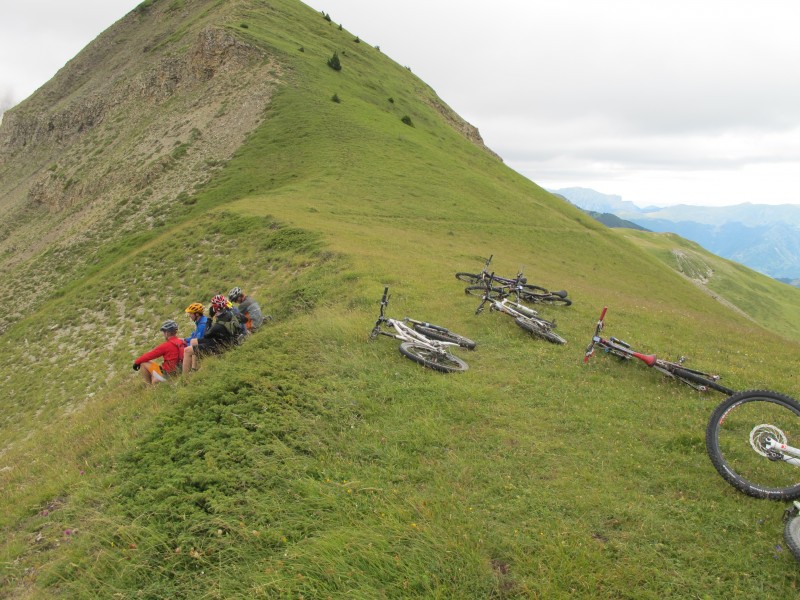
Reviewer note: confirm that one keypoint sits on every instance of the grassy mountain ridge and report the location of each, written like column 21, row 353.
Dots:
column 763, row 299
column 312, row 462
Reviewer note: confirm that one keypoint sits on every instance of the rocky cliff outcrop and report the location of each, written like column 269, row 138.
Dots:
column 119, row 139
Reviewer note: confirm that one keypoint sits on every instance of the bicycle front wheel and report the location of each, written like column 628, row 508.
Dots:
column 445, row 335
column 540, row 330
column 736, row 440
column 444, row 362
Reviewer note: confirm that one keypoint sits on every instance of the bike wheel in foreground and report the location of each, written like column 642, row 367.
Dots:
column 445, row 335
column 540, row 330
column 736, row 436
column 445, row 362
column 791, row 532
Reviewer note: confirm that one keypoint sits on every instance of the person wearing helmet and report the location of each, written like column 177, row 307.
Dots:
column 195, row 311
column 240, row 318
column 223, row 334
column 250, row 309
column 171, row 350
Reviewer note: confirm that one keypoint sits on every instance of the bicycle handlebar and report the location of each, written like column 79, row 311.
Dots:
column 615, row 344
column 384, row 299
column 596, row 337
column 381, row 318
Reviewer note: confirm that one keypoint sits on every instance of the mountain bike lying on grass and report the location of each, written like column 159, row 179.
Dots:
column 524, row 316
column 749, row 440
column 422, row 342
column 697, row 379
column 524, row 291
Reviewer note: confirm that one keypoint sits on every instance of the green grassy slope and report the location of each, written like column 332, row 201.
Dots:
column 312, row 462
column 768, row 302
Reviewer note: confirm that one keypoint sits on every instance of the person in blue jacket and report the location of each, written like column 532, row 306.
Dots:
column 195, row 312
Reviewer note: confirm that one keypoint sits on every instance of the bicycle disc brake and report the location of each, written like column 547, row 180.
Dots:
column 760, row 437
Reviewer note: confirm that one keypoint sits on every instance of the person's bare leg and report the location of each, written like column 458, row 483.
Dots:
column 188, row 360
column 144, row 370
column 194, row 345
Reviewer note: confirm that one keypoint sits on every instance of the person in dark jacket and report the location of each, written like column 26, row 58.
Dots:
column 172, row 351
column 240, row 319
column 223, row 334
column 248, row 307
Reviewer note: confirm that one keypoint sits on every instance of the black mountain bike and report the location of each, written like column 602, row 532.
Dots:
column 519, row 286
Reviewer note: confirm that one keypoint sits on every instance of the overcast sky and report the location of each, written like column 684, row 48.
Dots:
column 686, row 101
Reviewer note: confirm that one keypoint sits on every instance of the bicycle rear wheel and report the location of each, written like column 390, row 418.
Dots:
column 444, row 362
column 472, row 278
column 551, row 299
column 540, row 330
column 479, row 291
column 735, row 440
column 445, row 335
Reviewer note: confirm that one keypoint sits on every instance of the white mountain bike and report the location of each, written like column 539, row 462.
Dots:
column 752, row 440
column 749, row 440
column 524, row 316
column 424, row 343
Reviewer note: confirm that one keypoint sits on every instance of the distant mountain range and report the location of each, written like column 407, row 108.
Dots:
column 763, row 237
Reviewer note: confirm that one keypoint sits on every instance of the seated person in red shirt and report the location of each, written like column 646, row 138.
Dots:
column 171, row 350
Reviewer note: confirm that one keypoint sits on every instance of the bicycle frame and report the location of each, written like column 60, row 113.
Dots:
column 778, row 451
column 485, row 275
column 672, row 369
column 509, row 286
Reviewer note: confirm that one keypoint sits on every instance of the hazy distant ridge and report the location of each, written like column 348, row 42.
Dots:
column 763, row 237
